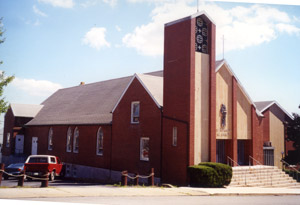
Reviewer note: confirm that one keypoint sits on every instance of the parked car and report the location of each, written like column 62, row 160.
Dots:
column 14, row 169
column 39, row 166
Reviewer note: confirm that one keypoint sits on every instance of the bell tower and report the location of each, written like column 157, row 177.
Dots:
column 189, row 95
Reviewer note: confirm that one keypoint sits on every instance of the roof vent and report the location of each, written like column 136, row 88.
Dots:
column 82, row 83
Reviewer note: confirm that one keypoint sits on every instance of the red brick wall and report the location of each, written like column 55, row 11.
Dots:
column 266, row 126
column 257, row 136
column 87, row 144
column 175, row 158
column 179, row 85
column 126, row 136
column 234, row 148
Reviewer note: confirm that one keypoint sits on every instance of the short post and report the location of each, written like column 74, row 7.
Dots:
column 136, row 179
column 124, row 178
column 21, row 180
column 151, row 178
column 1, row 172
column 45, row 181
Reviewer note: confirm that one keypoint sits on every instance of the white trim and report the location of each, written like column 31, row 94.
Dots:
column 50, row 136
column 131, row 118
column 141, row 158
column 69, row 150
column 175, row 136
column 97, row 143
column 125, row 90
column 76, row 129
column 148, row 91
column 144, row 86
column 275, row 102
column 224, row 62
column 7, row 140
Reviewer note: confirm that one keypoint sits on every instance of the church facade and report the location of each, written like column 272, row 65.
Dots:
column 195, row 110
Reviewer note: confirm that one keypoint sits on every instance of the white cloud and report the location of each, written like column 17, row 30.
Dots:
column 90, row 3
column 242, row 26
column 37, row 23
column 118, row 28
column 95, row 38
column 38, row 12
column 290, row 29
column 112, row 3
column 286, row 2
column 59, row 3
column 36, row 87
column 148, row 39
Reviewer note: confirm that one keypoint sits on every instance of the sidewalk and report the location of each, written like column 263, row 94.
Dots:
column 97, row 190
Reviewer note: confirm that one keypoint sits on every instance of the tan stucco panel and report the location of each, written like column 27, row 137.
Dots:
column 276, row 137
column 243, row 115
column 224, row 96
column 201, row 108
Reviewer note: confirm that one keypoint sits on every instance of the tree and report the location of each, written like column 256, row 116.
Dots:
column 293, row 134
column 4, row 81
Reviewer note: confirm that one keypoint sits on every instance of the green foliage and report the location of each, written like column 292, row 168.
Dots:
column 1, row 32
column 293, row 134
column 203, row 176
column 224, row 171
column 210, row 174
column 4, row 81
column 293, row 173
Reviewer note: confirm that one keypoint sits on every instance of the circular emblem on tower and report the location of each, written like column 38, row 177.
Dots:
column 201, row 36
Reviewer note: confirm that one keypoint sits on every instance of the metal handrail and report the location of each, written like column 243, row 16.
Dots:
column 271, row 174
column 287, row 164
column 234, row 162
column 254, row 160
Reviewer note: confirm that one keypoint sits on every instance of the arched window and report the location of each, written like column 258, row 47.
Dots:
column 8, row 140
column 76, row 141
column 100, row 142
column 69, row 140
column 50, row 139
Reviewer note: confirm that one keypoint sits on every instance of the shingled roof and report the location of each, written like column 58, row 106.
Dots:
column 83, row 104
column 90, row 103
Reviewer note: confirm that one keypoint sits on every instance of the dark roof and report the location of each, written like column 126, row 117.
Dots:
column 262, row 105
column 83, row 104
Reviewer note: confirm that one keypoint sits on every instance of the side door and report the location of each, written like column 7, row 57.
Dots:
column 34, row 145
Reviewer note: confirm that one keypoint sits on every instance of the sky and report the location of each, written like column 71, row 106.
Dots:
column 54, row 44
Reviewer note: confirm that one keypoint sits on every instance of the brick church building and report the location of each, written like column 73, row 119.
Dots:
column 195, row 110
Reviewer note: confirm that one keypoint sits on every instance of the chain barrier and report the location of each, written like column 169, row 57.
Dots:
column 27, row 176
column 137, row 176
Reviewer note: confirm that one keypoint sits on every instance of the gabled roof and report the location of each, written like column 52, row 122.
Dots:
column 153, row 84
column 219, row 65
column 83, row 104
column 264, row 105
column 25, row 110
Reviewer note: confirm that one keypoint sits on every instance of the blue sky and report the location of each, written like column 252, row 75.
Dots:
column 53, row 44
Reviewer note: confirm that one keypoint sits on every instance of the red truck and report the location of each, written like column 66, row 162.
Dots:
column 40, row 165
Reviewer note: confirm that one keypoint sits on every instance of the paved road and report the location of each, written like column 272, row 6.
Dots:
column 174, row 200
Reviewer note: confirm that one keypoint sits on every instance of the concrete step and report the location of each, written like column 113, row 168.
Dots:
column 261, row 176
